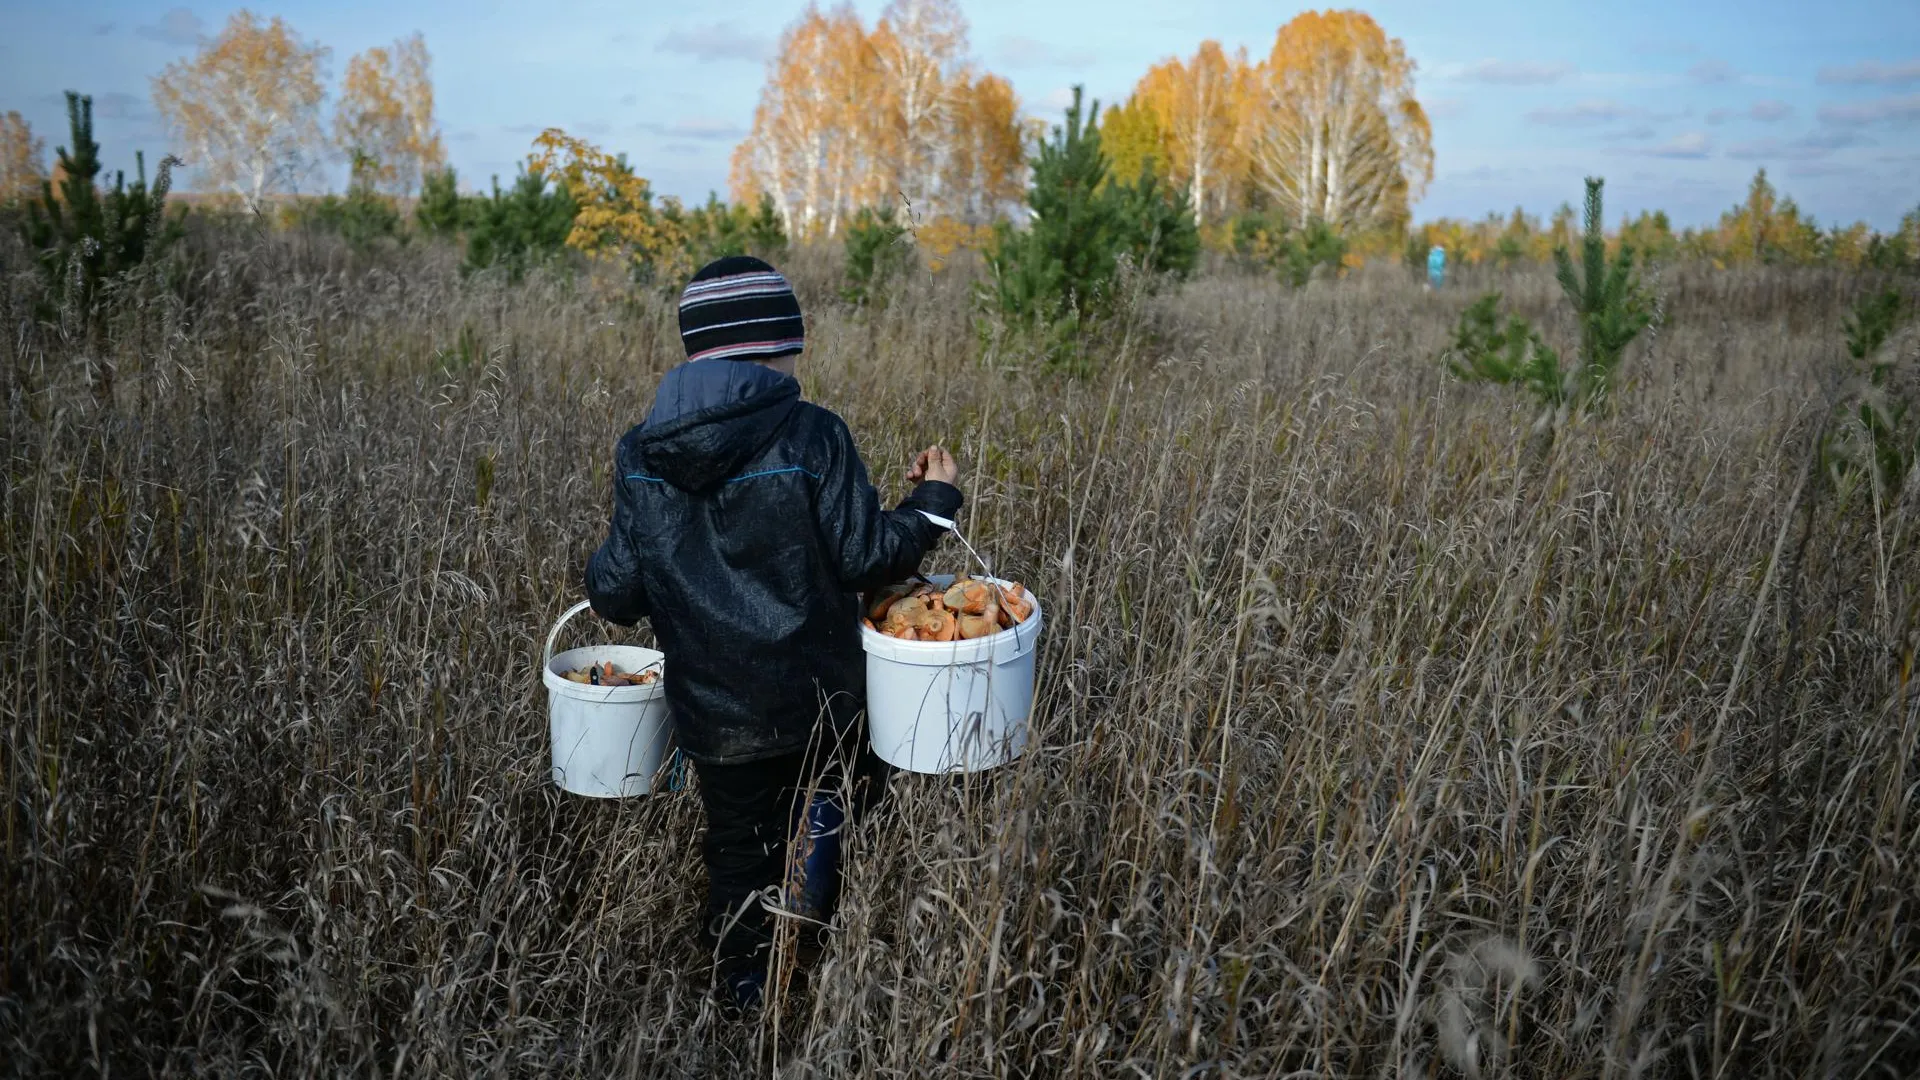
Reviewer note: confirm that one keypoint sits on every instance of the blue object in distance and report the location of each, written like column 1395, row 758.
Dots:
column 1437, row 265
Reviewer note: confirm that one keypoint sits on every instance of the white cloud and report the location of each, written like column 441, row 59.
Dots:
column 177, row 27
column 1711, row 71
column 1765, row 112
column 705, row 128
column 717, row 41
column 1689, row 146
column 1810, row 147
column 1873, row 73
column 1831, row 168
column 1514, row 72
column 1636, row 133
column 1894, row 111
column 1025, row 52
column 1583, row 114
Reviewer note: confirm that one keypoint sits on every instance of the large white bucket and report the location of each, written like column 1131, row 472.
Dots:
column 951, row 706
column 608, row 741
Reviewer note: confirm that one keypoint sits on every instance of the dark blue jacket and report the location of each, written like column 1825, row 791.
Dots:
column 743, row 526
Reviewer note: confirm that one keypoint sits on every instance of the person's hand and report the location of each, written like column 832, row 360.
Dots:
column 934, row 463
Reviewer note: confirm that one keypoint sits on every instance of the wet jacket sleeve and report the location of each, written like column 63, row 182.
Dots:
column 871, row 547
column 613, row 572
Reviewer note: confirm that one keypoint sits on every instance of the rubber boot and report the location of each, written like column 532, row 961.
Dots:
column 745, row 988
column 814, row 883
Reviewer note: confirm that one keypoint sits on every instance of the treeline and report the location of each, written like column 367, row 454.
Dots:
column 850, row 117
column 1764, row 229
column 1325, row 128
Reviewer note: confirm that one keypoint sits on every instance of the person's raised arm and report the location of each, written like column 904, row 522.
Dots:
column 871, row 547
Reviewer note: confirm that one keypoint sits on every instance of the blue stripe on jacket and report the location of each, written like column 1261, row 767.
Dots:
column 737, row 479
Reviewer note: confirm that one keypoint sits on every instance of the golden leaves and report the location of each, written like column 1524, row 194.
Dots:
column 385, row 118
column 616, row 219
column 1196, row 107
column 247, row 106
column 1334, row 130
column 849, row 118
column 21, row 171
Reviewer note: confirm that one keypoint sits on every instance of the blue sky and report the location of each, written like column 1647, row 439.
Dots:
column 1675, row 103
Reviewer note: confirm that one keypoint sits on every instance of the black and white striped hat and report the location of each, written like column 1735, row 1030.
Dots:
column 739, row 308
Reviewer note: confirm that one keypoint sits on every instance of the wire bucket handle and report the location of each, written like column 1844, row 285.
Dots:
column 947, row 524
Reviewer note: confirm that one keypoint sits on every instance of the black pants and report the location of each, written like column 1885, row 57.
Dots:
column 751, row 813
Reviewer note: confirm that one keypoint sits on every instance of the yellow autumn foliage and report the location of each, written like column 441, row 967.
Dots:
column 616, row 220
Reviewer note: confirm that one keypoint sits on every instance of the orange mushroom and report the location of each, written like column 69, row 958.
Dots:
column 1014, row 599
column 879, row 602
column 978, row 626
column 938, row 626
column 969, row 597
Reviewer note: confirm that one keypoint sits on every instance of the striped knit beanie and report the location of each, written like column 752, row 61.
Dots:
column 739, row 308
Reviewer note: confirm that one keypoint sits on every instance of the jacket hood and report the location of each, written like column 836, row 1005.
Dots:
column 709, row 418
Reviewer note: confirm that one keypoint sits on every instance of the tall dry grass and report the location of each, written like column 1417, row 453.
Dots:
column 1372, row 740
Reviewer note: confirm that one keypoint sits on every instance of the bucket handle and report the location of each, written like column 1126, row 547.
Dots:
column 554, row 634
column 953, row 531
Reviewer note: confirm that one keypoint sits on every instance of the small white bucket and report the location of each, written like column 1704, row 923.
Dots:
column 951, row 706
column 608, row 741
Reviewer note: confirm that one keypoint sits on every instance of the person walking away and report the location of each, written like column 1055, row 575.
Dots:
column 744, row 525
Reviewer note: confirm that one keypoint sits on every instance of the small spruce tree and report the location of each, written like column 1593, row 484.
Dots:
column 1485, row 351
column 1060, row 268
column 1877, row 437
column 85, row 235
column 1154, row 224
column 441, row 211
column 1607, row 298
column 521, row 226
column 766, row 237
column 877, row 252
column 1268, row 240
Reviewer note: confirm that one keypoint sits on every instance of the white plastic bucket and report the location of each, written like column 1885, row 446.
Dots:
column 608, row 741
column 951, row 706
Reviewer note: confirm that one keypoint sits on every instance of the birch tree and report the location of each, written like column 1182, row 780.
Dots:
column 1195, row 106
column 919, row 45
column 1335, row 132
column 785, row 155
column 984, row 165
column 849, row 118
column 247, row 107
column 385, row 121
column 21, row 155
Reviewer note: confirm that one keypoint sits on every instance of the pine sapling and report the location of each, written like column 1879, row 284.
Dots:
column 1878, row 436
column 877, row 251
column 1513, row 355
column 1607, row 298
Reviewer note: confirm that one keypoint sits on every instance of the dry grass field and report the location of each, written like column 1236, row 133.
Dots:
column 1379, row 736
